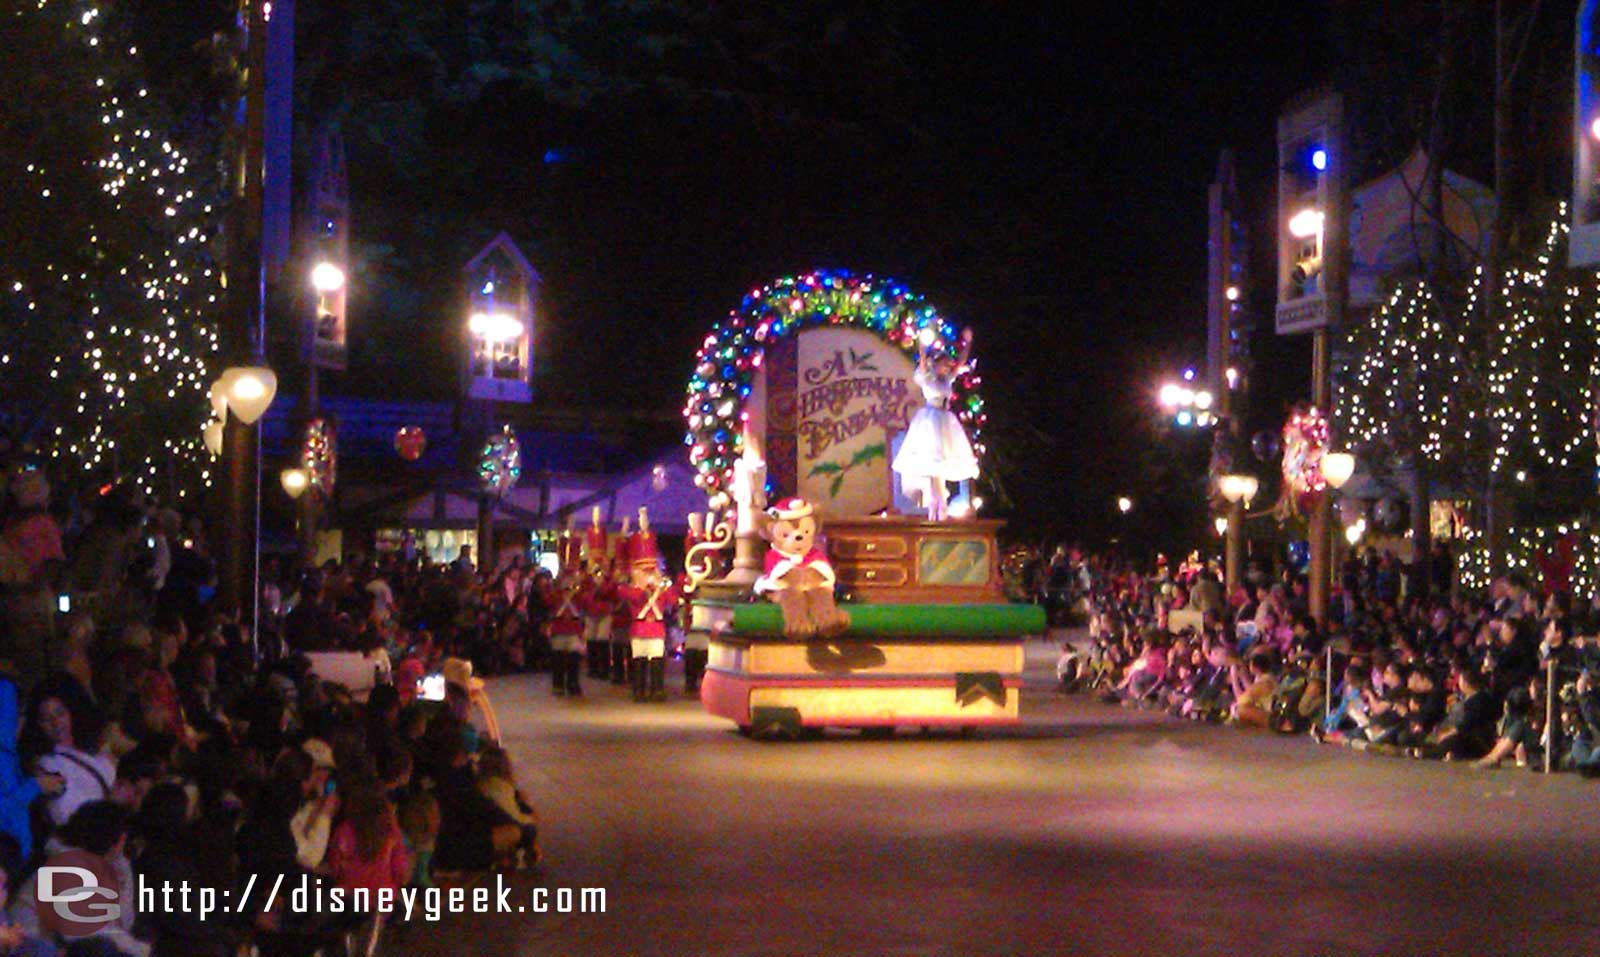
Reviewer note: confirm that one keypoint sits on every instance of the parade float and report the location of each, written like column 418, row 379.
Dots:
column 836, row 585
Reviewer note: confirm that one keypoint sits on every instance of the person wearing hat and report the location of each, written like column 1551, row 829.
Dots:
column 618, row 615
column 649, row 597
column 566, row 624
column 313, row 822
column 595, row 599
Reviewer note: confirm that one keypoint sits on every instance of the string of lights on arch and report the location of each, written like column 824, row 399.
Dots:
column 731, row 355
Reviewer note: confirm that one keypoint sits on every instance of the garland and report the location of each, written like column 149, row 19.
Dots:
column 1305, row 440
column 500, row 463
column 319, row 456
column 731, row 355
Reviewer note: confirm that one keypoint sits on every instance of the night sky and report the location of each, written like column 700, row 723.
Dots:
column 1037, row 170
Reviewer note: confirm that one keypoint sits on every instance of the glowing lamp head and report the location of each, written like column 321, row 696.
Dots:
column 1238, row 487
column 1169, row 395
column 326, row 278
column 1124, row 504
column 1594, row 128
column 926, row 337
column 1232, row 292
column 1185, row 418
column 1353, row 533
column 295, row 481
column 1306, row 224
column 1319, row 159
column 1202, row 400
column 495, row 326
column 1337, row 467
column 249, row 391
column 1220, row 523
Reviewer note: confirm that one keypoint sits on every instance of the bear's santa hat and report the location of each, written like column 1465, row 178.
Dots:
column 790, row 509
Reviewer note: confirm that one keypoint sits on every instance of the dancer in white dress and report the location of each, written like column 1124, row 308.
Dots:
column 936, row 450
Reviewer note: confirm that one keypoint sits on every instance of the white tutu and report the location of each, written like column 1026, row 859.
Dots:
column 936, row 446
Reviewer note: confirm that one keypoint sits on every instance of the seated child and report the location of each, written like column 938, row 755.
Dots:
column 497, row 783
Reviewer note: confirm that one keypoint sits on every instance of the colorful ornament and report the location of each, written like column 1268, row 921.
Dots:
column 410, row 441
column 319, row 456
column 500, row 464
column 731, row 355
column 1305, row 439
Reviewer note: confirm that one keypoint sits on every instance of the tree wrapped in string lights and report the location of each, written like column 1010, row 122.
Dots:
column 1429, row 374
column 108, row 291
column 1431, row 377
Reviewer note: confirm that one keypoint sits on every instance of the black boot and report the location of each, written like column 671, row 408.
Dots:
column 558, row 678
column 619, row 662
column 694, row 669
column 574, row 667
column 658, row 679
column 636, row 673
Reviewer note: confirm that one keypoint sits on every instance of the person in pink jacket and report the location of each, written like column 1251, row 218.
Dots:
column 368, row 851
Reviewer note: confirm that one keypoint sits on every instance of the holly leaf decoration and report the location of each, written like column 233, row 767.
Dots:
column 825, row 468
column 862, row 362
column 866, row 454
column 833, row 488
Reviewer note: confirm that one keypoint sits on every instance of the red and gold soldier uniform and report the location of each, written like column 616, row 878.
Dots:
column 566, row 622
column 649, row 597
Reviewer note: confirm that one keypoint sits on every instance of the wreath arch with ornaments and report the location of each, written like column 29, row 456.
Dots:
column 730, row 357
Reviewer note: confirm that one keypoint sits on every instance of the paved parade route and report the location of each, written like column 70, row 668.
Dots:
column 1088, row 830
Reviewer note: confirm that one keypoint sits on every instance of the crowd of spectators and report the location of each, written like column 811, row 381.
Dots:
column 1417, row 666
column 144, row 735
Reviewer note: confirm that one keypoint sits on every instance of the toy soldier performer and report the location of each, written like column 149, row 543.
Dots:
column 650, row 596
column 566, row 619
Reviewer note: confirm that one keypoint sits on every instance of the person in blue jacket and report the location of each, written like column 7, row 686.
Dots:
column 17, row 789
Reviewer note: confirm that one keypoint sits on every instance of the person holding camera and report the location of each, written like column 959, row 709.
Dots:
column 1581, row 721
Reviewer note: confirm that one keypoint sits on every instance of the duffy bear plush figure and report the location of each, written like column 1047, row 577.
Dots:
column 798, row 576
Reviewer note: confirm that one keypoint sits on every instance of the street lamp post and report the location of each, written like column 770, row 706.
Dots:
column 243, row 339
column 1238, row 490
column 1337, row 467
